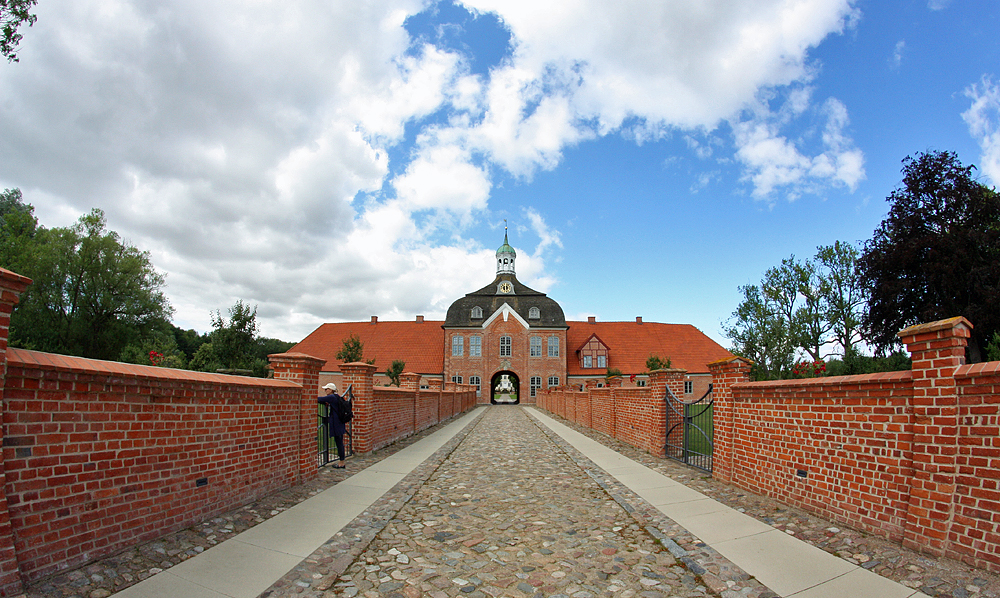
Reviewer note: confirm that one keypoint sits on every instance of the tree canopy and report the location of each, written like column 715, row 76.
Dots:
column 810, row 307
column 92, row 294
column 936, row 255
column 13, row 14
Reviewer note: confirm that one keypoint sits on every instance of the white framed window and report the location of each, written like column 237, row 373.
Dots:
column 588, row 361
column 456, row 379
column 475, row 346
column 602, row 361
column 477, row 313
column 536, row 383
column 457, row 345
column 553, row 346
column 640, row 383
column 504, row 346
column 535, row 343
column 478, row 383
column 553, row 381
column 533, row 313
column 688, row 387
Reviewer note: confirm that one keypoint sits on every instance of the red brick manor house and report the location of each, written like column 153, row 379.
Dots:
column 513, row 338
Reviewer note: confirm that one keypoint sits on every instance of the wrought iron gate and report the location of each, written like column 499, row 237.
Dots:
column 325, row 442
column 689, row 430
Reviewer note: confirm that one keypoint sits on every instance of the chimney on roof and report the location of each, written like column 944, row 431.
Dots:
column 638, row 319
column 374, row 319
column 420, row 318
column 591, row 319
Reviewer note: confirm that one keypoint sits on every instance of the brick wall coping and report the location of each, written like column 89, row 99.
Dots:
column 66, row 363
column 297, row 356
column 729, row 359
column 934, row 326
column 880, row 377
column 978, row 369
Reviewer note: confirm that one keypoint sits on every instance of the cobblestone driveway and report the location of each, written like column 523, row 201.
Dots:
column 509, row 514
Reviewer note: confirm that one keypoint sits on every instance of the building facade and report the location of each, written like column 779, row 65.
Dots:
column 512, row 342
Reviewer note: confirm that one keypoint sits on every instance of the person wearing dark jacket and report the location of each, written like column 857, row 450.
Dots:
column 338, row 407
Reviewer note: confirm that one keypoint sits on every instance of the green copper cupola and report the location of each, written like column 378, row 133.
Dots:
column 505, row 257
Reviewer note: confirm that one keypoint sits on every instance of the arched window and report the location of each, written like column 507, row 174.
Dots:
column 477, row 313
column 533, row 313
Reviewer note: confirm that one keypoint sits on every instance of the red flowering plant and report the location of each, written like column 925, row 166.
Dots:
column 155, row 357
column 809, row 369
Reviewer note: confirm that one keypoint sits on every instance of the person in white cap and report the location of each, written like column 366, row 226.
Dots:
column 340, row 414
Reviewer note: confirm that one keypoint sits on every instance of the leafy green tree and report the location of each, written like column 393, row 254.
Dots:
column 159, row 350
column 845, row 298
column 353, row 350
column 760, row 331
column 993, row 349
column 234, row 342
column 13, row 14
column 17, row 232
column 394, row 371
column 936, row 255
column 654, row 362
column 92, row 294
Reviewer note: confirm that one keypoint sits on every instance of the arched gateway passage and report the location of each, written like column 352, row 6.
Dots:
column 505, row 388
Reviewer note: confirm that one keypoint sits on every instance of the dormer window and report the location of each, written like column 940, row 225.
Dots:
column 533, row 313
column 477, row 313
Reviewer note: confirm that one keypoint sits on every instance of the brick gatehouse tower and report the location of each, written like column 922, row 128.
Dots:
column 505, row 337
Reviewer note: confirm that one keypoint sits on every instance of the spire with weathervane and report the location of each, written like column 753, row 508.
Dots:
column 505, row 255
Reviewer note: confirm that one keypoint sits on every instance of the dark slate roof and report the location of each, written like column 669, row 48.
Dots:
column 521, row 301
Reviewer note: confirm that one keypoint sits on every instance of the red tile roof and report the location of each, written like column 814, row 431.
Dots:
column 421, row 345
column 631, row 343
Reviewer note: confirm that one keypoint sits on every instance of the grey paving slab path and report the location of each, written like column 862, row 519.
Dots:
column 506, row 501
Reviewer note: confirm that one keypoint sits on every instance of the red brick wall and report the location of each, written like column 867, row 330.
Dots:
column 840, row 447
column 635, row 415
column 385, row 414
column 975, row 531
column 911, row 456
column 100, row 456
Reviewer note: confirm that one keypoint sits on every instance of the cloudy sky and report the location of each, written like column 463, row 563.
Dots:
column 329, row 161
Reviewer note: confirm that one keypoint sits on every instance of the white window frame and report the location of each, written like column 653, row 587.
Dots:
column 688, row 387
column 588, row 361
column 478, row 383
column 505, row 346
column 535, row 344
column 602, row 361
column 456, row 379
column 457, row 345
column 553, row 346
column 553, row 381
column 477, row 313
column 535, row 382
column 534, row 314
column 475, row 346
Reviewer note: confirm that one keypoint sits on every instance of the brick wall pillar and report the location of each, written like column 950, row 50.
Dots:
column 409, row 381
column 11, row 287
column 937, row 350
column 360, row 375
column 303, row 370
column 659, row 382
column 725, row 373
